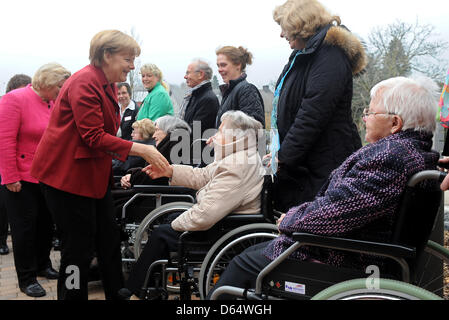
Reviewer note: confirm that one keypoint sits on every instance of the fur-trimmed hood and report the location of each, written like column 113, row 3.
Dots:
column 340, row 36
column 351, row 45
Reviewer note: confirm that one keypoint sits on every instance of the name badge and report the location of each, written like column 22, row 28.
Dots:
column 127, row 118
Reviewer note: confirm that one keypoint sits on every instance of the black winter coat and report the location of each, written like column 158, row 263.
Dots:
column 203, row 106
column 244, row 96
column 315, row 124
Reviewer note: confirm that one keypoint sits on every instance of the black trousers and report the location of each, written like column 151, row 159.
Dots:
column 162, row 241
column 31, row 231
column 243, row 270
column 3, row 217
column 85, row 225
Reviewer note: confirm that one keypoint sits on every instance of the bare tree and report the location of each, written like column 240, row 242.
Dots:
column 399, row 49
column 134, row 78
column 421, row 49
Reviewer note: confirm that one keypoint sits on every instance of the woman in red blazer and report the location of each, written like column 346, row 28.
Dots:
column 24, row 115
column 73, row 164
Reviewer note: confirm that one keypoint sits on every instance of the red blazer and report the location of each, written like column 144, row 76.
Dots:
column 76, row 150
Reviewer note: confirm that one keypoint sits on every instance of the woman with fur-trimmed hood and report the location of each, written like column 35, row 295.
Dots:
column 312, row 107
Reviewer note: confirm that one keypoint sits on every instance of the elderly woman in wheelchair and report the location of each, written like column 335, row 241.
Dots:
column 232, row 183
column 164, row 136
column 168, row 132
column 361, row 201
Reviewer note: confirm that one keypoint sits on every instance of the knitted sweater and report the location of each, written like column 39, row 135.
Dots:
column 360, row 199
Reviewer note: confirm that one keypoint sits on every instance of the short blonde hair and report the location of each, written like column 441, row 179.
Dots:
column 155, row 71
column 112, row 41
column 146, row 127
column 302, row 18
column 49, row 75
column 152, row 69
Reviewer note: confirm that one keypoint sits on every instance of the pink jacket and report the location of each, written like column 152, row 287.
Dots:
column 23, row 119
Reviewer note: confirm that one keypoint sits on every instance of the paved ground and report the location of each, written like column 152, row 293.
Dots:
column 9, row 289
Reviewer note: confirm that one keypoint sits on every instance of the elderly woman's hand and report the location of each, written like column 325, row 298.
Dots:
column 266, row 160
column 278, row 222
column 444, row 162
column 155, row 173
column 125, row 181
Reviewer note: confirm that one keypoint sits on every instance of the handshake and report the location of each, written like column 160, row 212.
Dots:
column 158, row 165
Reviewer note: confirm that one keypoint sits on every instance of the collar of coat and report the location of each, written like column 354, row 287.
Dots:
column 232, row 83
column 246, row 142
column 341, row 37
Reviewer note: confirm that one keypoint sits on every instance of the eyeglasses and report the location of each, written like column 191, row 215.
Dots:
column 367, row 113
column 188, row 72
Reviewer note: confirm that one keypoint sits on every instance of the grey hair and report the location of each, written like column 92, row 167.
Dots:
column 202, row 65
column 415, row 100
column 168, row 124
column 240, row 123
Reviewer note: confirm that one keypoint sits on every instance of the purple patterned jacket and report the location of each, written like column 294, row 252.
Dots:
column 359, row 200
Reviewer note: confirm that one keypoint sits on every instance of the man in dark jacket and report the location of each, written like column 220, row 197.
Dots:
column 200, row 105
column 128, row 110
column 314, row 118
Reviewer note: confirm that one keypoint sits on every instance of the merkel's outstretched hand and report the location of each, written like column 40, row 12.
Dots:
column 150, row 154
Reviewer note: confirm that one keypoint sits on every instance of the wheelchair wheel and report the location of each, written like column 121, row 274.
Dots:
column 229, row 246
column 387, row 290
column 435, row 263
column 156, row 217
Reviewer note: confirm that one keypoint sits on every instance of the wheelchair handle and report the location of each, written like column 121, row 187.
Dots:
column 443, row 165
column 426, row 175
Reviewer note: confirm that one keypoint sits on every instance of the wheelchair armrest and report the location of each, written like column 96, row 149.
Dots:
column 162, row 189
column 375, row 248
column 396, row 252
column 241, row 219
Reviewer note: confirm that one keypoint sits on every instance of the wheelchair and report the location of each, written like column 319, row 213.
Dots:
column 410, row 254
column 202, row 255
column 132, row 206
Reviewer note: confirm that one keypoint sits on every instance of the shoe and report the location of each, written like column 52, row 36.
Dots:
column 49, row 273
column 4, row 249
column 34, row 290
column 124, row 294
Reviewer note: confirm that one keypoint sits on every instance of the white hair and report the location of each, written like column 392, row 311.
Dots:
column 239, row 123
column 415, row 100
column 202, row 65
column 169, row 123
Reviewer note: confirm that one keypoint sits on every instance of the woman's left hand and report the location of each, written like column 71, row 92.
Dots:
column 278, row 222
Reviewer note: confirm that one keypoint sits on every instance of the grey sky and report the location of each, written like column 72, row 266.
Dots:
column 173, row 32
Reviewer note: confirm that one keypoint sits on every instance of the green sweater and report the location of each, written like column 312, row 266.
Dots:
column 156, row 104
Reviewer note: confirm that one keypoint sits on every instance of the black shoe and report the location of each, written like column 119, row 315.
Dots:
column 49, row 273
column 124, row 294
column 4, row 249
column 34, row 290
